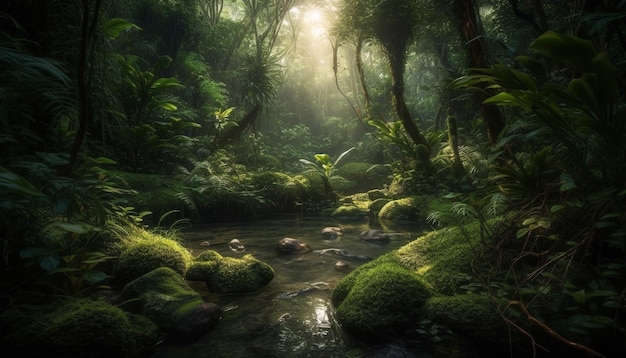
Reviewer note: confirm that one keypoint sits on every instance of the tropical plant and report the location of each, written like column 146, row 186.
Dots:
column 565, row 182
column 325, row 167
column 150, row 130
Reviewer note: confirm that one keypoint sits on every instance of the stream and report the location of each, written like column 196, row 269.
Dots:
column 292, row 315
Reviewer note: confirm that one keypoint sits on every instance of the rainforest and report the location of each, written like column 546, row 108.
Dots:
column 316, row 178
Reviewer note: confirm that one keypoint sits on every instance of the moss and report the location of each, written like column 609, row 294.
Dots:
column 81, row 328
column 376, row 194
column 240, row 275
column 228, row 274
column 209, row 255
column 446, row 257
column 344, row 286
column 165, row 297
column 384, row 300
column 201, row 270
column 406, row 209
column 146, row 255
column 471, row 316
column 376, row 205
column 349, row 212
column 162, row 281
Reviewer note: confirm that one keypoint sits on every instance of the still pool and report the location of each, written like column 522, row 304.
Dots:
column 292, row 316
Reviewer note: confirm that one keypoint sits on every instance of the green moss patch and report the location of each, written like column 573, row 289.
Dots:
column 406, row 209
column 165, row 297
column 385, row 299
column 80, row 328
column 350, row 212
column 445, row 258
column 147, row 254
column 228, row 274
column 472, row 316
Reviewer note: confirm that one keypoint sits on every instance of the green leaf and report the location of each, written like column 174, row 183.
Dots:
column 113, row 27
column 556, row 208
column 94, row 276
column 579, row 297
column 49, row 262
column 167, row 105
column 566, row 49
column 166, row 82
column 76, row 228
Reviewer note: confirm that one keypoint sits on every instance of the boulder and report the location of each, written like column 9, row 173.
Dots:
column 236, row 246
column 341, row 266
column 332, row 232
column 230, row 275
column 292, row 246
column 376, row 236
column 376, row 194
column 146, row 255
column 342, row 253
column 380, row 300
column 406, row 209
column 165, row 297
column 473, row 316
column 376, row 205
column 349, row 212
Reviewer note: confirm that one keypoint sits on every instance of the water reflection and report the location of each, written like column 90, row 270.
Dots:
column 292, row 315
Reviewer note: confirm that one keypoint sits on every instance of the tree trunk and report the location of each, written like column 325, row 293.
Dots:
column 469, row 22
column 234, row 132
column 457, row 165
column 396, row 62
column 84, row 115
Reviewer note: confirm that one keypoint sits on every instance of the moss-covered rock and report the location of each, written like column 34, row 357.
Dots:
column 376, row 194
column 386, row 299
column 349, row 212
column 445, row 258
column 405, row 209
column 471, row 316
column 165, row 297
column 375, row 206
column 78, row 328
column 228, row 274
column 147, row 254
column 340, row 292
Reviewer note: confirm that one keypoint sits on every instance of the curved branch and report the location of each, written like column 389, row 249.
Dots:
column 553, row 333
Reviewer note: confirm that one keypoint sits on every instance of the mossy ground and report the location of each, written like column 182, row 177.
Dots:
column 79, row 328
column 432, row 270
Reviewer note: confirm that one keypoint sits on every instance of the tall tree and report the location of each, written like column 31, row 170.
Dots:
column 264, row 20
column 393, row 24
column 465, row 13
column 89, row 20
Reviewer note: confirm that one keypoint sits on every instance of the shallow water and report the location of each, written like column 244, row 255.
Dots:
column 292, row 315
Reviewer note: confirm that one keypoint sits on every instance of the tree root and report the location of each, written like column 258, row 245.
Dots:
column 553, row 333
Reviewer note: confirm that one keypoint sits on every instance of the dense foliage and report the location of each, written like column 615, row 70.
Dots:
column 221, row 110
